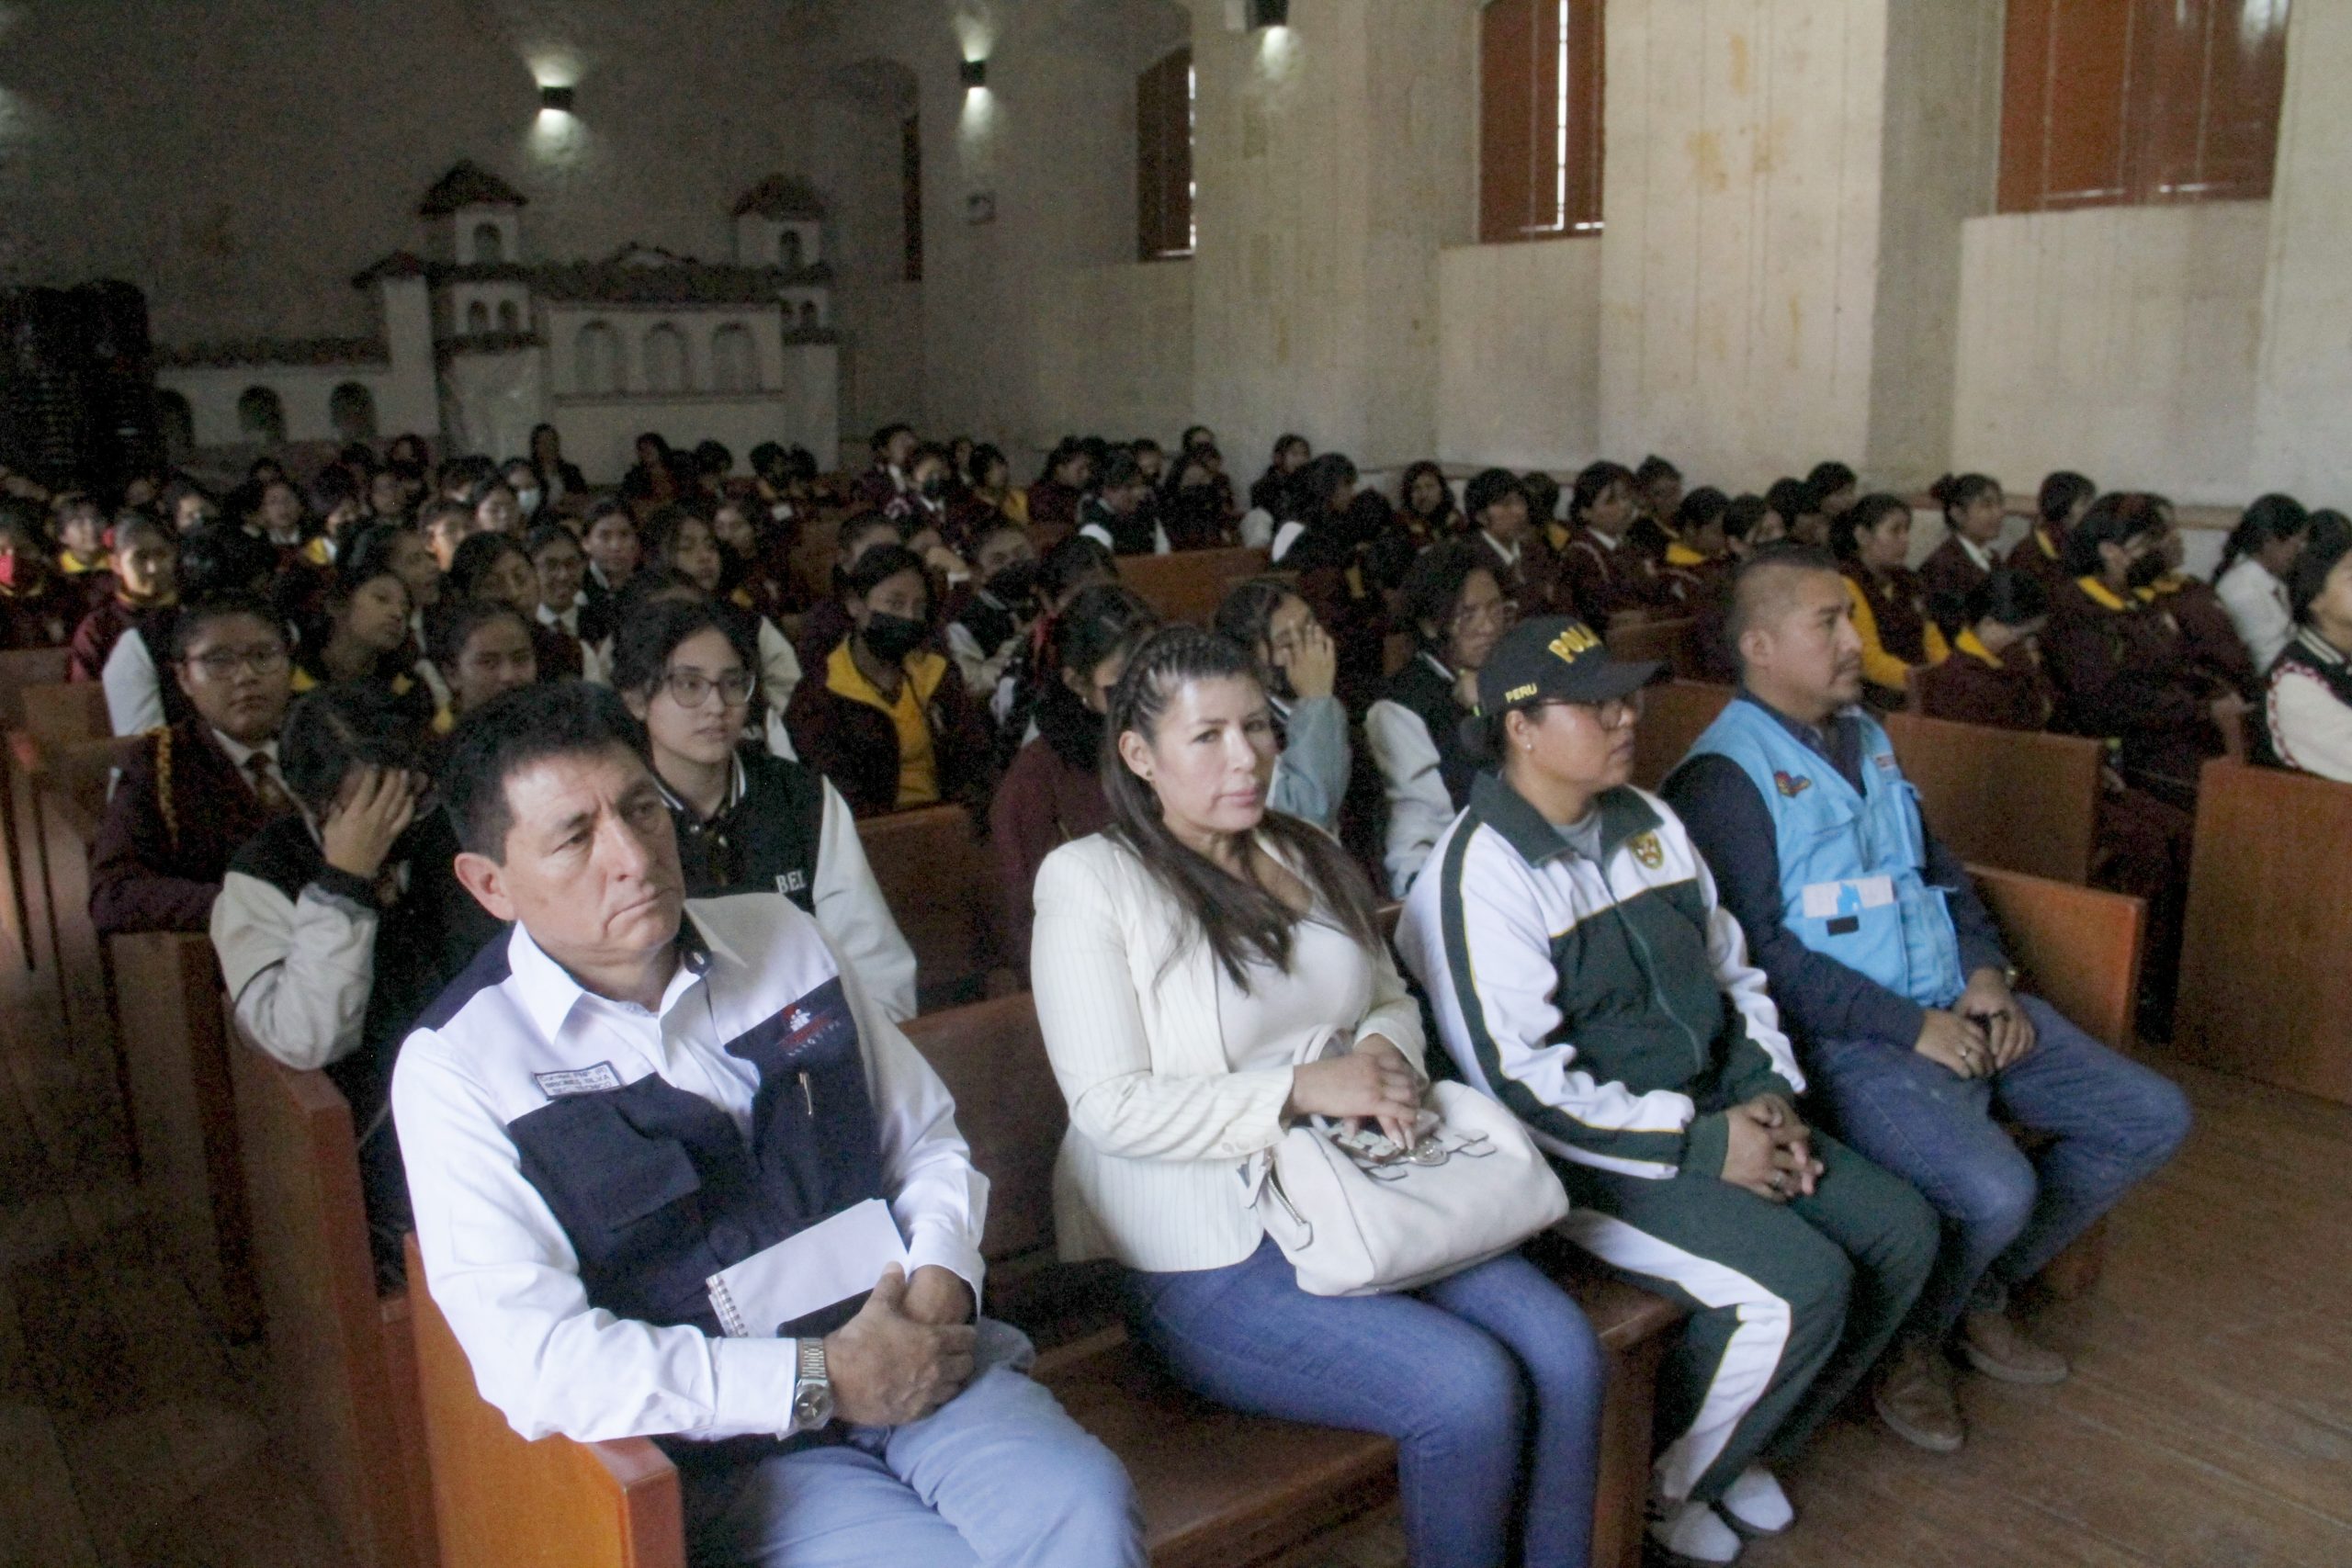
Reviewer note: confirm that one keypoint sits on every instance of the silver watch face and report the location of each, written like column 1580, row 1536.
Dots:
column 812, row 1406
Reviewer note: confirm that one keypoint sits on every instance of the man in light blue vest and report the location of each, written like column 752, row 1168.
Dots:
column 1891, row 976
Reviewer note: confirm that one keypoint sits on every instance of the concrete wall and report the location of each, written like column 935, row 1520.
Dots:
column 2119, row 340
column 599, row 433
column 2304, row 439
column 1518, row 355
column 1740, row 264
column 1115, row 355
column 1334, row 161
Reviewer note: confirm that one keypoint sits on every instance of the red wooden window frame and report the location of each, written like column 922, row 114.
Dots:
column 2135, row 102
column 1164, row 159
column 910, row 192
column 1539, row 145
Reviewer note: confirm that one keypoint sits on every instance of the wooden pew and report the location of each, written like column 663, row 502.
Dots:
column 941, row 887
column 1669, row 642
column 73, row 779
column 342, row 1362
column 1674, row 715
column 2078, row 949
column 19, row 669
column 1190, row 584
column 1218, row 1488
column 2004, row 797
column 2265, row 964
column 176, row 1055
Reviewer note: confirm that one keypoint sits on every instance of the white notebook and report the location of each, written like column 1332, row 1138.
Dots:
column 831, row 1261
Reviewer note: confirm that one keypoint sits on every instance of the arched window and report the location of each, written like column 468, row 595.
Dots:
column 352, row 408
column 808, row 322
column 489, row 243
column 734, row 364
column 477, row 319
column 261, row 416
column 510, row 320
column 788, row 250
column 177, row 422
column 665, row 360
column 596, row 360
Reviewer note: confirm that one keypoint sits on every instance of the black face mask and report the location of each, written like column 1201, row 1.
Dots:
column 1014, row 583
column 933, row 489
column 891, row 637
column 2144, row 572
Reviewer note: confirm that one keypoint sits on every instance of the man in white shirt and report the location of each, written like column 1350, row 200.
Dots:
column 633, row 1093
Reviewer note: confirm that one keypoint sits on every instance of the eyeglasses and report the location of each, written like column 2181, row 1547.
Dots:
column 691, row 688
column 1617, row 713
column 1497, row 612
column 223, row 663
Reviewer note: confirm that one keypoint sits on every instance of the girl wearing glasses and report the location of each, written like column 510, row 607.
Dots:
column 748, row 821
column 1457, row 612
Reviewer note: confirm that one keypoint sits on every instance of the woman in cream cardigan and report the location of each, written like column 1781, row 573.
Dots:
column 1179, row 958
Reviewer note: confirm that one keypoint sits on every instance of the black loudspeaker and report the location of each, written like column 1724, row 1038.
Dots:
column 77, row 384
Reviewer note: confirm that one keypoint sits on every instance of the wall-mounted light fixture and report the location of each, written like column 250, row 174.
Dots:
column 974, row 73
column 1248, row 16
column 559, row 99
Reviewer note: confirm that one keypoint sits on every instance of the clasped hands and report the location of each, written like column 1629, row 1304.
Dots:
column 1373, row 1082
column 1982, row 1032
column 1767, row 1150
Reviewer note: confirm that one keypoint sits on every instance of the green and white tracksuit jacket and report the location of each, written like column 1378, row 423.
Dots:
column 1609, row 1002
column 1609, row 1005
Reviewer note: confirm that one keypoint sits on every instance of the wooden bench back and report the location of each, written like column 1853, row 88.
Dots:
column 2265, row 964
column 941, row 888
column 79, row 773
column 2010, row 798
column 1190, row 584
column 1673, row 715
column 992, row 1056
column 176, row 1054
column 69, row 711
column 24, row 667
column 2077, row 947
column 330, row 1385
column 1669, row 642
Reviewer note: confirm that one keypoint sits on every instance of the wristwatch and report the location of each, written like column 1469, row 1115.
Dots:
column 812, row 1390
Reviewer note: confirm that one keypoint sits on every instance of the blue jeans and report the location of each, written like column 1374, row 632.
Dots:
column 2006, row 1213
column 1489, row 1381
column 997, row 1477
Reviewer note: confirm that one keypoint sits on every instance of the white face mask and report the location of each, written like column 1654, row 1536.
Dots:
column 528, row 500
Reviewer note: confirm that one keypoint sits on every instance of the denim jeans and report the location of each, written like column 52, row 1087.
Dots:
column 2006, row 1213
column 997, row 1477
column 1489, row 1381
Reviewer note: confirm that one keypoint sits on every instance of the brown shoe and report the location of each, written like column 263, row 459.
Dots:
column 1915, row 1398
column 1997, row 1347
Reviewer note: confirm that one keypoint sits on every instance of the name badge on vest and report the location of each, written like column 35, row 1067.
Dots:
column 818, row 1022
column 1842, row 902
column 578, row 1080
column 791, row 882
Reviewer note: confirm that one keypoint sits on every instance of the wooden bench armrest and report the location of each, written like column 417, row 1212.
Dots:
column 2078, row 948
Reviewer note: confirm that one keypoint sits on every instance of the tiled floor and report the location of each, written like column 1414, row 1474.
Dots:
column 2209, row 1425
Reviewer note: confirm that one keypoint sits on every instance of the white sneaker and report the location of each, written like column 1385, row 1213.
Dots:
column 1691, row 1534
column 1755, row 1504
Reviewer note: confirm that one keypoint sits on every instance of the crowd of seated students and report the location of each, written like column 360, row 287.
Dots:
column 308, row 665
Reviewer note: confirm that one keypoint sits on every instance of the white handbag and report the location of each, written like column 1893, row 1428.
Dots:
column 1358, row 1216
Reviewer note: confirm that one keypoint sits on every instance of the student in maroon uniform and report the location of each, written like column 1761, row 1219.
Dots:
column 498, row 568
column 194, row 791
column 1427, row 508
column 1871, row 539
column 1975, row 509
column 1053, row 792
column 1605, row 573
column 1053, row 500
column 1695, row 567
column 2041, row 554
column 141, row 581
column 1657, row 508
column 38, row 609
column 2120, row 660
column 1194, row 510
column 886, row 479
column 1504, row 531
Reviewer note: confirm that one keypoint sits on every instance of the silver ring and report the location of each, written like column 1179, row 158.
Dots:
column 1780, row 1182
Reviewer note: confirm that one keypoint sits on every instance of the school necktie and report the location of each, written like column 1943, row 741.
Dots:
column 266, row 789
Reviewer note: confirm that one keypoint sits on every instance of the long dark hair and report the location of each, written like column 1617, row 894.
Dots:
column 1447, row 518
column 2062, row 490
column 1845, row 541
column 2270, row 519
column 1241, row 923
column 2116, row 518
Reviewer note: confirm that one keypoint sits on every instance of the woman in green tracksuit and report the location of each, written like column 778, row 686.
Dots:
column 1584, row 974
